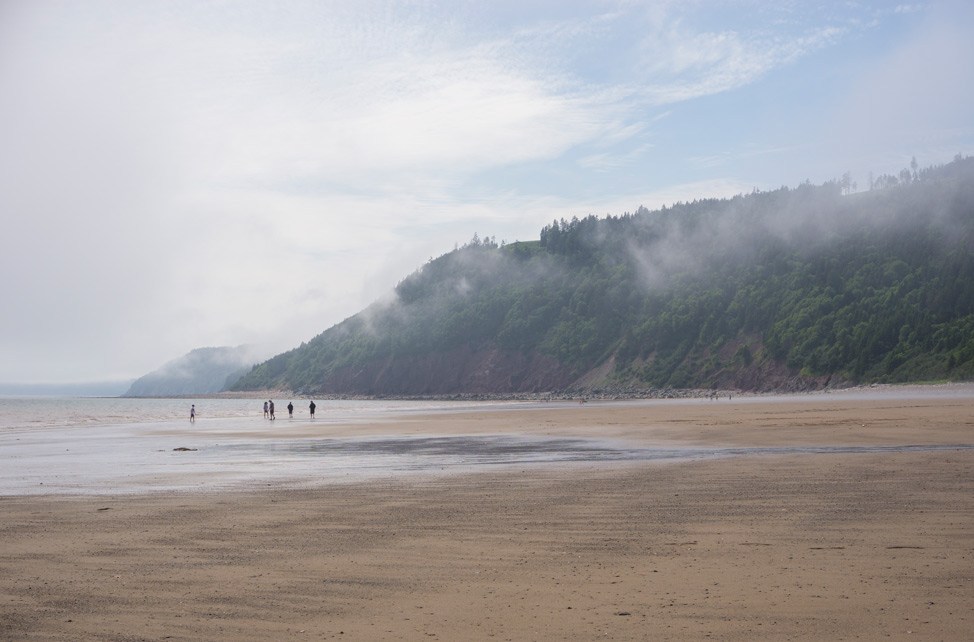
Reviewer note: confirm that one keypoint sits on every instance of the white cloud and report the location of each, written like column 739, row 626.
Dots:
column 908, row 8
column 683, row 64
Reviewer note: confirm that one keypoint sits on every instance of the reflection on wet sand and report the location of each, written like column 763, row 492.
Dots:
column 419, row 453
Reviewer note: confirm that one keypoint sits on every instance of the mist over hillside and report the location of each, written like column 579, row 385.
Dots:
column 782, row 290
column 201, row 371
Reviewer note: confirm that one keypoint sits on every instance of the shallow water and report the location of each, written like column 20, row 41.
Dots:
column 121, row 446
column 25, row 413
column 112, row 445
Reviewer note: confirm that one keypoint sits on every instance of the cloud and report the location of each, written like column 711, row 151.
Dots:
column 365, row 108
column 908, row 8
column 683, row 64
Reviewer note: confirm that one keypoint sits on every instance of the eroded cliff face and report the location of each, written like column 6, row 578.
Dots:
column 495, row 372
column 462, row 370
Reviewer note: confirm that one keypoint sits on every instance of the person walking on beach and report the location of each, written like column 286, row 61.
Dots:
column 265, row 410
column 271, row 409
column 290, row 410
column 312, row 409
column 192, row 414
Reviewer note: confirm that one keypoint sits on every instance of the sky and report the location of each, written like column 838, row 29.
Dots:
column 181, row 174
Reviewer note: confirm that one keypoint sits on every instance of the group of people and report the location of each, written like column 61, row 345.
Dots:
column 269, row 410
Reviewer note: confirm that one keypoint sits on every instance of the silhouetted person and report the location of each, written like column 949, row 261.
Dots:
column 312, row 409
column 290, row 410
column 192, row 414
column 265, row 411
column 271, row 408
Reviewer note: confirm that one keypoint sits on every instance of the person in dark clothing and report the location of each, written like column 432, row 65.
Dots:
column 290, row 410
column 312, row 409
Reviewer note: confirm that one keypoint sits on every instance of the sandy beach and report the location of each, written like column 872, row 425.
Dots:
column 863, row 544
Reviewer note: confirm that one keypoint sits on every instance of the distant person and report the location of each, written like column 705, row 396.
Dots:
column 290, row 410
column 271, row 408
column 312, row 409
column 266, row 414
column 192, row 414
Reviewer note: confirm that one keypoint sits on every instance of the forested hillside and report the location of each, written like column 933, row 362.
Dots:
column 788, row 289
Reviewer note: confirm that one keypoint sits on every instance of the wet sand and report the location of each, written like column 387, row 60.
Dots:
column 867, row 545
